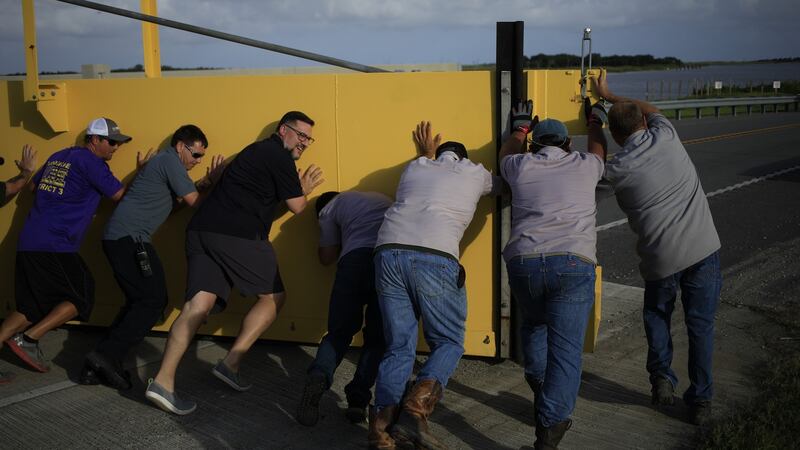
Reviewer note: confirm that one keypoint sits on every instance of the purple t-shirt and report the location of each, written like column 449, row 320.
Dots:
column 68, row 190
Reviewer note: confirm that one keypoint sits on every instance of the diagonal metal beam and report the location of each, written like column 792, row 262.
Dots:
column 225, row 36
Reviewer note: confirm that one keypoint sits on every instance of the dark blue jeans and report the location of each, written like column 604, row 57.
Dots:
column 411, row 285
column 555, row 294
column 353, row 288
column 700, row 285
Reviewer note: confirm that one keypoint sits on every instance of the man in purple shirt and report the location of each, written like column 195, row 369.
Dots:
column 52, row 283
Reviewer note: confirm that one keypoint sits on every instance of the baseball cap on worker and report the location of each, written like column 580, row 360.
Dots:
column 106, row 128
column 549, row 127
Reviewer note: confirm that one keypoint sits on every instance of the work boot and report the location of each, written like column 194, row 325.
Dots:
column 700, row 412
column 411, row 429
column 379, row 422
column 536, row 387
column 663, row 392
column 547, row 438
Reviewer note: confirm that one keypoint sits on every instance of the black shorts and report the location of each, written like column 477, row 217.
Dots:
column 216, row 262
column 45, row 279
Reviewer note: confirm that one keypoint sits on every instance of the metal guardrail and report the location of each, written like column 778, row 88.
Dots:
column 733, row 102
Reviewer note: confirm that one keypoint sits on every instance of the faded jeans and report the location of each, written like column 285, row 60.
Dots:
column 700, row 286
column 414, row 285
column 555, row 294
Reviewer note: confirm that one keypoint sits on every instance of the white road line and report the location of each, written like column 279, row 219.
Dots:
column 617, row 223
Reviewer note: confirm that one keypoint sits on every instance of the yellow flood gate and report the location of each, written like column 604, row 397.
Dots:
column 363, row 142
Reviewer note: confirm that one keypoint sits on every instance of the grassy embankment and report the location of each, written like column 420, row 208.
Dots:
column 771, row 420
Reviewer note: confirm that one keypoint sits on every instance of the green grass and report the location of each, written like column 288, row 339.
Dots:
column 772, row 419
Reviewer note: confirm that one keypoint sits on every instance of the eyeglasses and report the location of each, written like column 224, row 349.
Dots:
column 195, row 155
column 303, row 137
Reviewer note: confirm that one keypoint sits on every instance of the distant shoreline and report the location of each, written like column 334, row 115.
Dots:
column 649, row 67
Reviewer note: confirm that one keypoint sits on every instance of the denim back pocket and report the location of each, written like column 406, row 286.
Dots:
column 430, row 277
column 576, row 280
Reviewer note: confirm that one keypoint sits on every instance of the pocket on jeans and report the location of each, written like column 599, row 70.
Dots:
column 576, row 281
column 430, row 277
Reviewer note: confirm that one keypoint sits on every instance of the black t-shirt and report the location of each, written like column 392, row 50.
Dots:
column 243, row 203
column 2, row 193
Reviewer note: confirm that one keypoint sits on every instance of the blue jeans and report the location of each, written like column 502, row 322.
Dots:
column 699, row 285
column 411, row 285
column 353, row 288
column 555, row 294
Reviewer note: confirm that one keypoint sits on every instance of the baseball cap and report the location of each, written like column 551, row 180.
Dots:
column 550, row 127
column 106, row 128
column 453, row 146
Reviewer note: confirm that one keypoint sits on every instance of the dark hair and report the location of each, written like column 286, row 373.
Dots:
column 188, row 134
column 292, row 116
column 453, row 146
column 551, row 140
column 625, row 118
column 323, row 200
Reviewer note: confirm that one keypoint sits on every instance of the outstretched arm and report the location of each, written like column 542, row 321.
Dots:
column 601, row 89
column 426, row 142
column 26, row 165
column 521, row 124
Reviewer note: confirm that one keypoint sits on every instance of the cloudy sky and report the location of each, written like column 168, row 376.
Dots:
column 402, row 31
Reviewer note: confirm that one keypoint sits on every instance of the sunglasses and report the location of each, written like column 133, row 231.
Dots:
column 111, row 142
column 195, row 155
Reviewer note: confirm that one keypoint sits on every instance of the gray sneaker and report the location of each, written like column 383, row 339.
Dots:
column 28, row 352
column 230, row 377
column 168, row 401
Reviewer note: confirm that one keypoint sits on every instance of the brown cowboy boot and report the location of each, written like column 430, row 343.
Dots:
column 547, row 438
column 378, row 437
column 411, row 429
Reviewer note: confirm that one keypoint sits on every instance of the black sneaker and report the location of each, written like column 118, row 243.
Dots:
column 700, row 412
column 88, row 376
column 109, row 371
column 308, row 409
column 663, row 392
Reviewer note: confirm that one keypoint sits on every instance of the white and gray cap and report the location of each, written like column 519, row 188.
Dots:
column 106, row 128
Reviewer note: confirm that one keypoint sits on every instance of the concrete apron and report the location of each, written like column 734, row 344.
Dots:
column 487, row 404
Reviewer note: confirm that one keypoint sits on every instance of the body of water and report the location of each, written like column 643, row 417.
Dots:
column 665, row 84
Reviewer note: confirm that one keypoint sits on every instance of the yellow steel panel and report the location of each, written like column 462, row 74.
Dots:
column 556, row 94
column 363, row 133
column 593, row 325
column 31, row 58
column 150, row 41
column 376, row 114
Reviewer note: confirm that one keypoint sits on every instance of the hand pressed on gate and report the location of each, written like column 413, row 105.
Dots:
column 310, row 179
column 142, row 160
column 27, row 164
column 425, row 140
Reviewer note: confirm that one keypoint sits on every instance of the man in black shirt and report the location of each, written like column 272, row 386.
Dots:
column 227, row 245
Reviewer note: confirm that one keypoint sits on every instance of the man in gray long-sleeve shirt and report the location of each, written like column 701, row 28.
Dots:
column 657, row 186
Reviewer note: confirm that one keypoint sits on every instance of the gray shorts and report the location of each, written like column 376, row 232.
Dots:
column 216, row 262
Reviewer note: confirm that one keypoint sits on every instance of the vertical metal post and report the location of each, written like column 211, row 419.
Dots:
column 510, row 88
column 30, row 86
column 150, row 42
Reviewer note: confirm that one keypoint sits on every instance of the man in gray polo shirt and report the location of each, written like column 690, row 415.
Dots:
column 348, row 224
column 657, row 186
column 550, row 257
column 127, row 245
column 417, row 275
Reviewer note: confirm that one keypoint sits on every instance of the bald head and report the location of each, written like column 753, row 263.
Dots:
column 624, row 119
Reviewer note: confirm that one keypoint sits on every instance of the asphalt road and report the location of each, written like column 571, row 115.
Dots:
column 726, row 152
